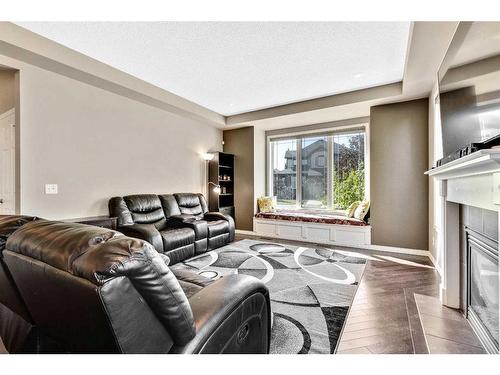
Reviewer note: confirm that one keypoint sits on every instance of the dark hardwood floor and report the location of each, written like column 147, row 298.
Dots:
column 384, row 317
column 397, row 310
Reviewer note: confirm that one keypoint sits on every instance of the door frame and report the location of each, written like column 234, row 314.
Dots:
column 10, row 112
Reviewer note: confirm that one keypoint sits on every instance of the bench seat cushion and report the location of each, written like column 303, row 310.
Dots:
column 310, row 218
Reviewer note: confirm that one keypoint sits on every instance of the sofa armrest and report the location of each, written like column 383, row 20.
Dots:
column 216, row 216
column 146, row 232
column 189, row 221
column 232, row 315
column 211, row 216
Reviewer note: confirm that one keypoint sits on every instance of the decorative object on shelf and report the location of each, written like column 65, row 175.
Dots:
column 221, row 174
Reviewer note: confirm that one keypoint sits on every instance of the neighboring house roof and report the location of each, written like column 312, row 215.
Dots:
column 310, row 172
column 284, row 171
column 313, row 147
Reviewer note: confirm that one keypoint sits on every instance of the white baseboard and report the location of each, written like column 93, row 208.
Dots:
column 247, row 232
column 435, row 263
column 390, row 249
column 394, row 249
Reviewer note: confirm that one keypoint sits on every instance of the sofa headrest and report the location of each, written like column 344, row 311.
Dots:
column 187, row 200
column 170, row 206
column 190, row 203
column 9, row 224
column 142, row 202
column 98, row 255
column 61, row 244
column 145, row 209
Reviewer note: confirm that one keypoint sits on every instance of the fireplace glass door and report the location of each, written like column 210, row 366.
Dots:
column 483, row 285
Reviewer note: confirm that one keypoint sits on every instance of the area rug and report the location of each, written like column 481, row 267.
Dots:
column 311, row 288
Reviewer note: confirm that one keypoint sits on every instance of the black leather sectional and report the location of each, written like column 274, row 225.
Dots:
column 178, row 225
column 17, row 328
column 94, row 290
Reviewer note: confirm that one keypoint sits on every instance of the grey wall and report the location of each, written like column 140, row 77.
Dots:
column 7, row 90
column 96, row 144
column 399, row 188
column 240, row 142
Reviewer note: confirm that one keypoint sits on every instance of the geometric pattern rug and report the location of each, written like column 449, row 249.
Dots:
column 311, row 288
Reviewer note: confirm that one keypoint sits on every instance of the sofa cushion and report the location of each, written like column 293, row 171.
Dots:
column 191, row 204
column 362, row 210
column 310, row 218
column 267, row 204
column 351, row 209
column 146, row 209
column 9, row 224
column 217, row 227
column 181, row 253
column 177, row 237
column 9, row 295
column 170, row 206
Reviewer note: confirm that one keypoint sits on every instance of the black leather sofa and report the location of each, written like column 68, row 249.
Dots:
column 178, row 225
column 94, row 290
column 17, row 329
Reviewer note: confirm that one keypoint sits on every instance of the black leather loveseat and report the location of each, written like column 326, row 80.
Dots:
column 178, row 225
column 94, row 290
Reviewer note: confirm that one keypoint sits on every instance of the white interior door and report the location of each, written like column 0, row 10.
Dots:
column 7, row 163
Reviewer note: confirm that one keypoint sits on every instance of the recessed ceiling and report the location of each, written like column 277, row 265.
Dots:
column 481, row 41
column 236, row 67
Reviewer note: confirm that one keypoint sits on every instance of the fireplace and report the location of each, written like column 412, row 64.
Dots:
column 480, row 292
column 467, row 248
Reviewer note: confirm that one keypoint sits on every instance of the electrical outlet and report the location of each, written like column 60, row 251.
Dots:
column 50, row 188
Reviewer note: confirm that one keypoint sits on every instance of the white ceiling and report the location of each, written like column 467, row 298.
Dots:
column 238, row 67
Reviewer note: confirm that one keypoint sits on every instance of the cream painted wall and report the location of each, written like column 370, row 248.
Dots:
column 95, row 144
column 7, row 90
column 240, row 142
column 398, row 186
column 435, row 200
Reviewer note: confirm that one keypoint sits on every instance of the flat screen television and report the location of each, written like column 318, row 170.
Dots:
column 469, row 90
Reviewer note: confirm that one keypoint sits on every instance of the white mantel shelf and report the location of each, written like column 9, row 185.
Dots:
column 477, row 163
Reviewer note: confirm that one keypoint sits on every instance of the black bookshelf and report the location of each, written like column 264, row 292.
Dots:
column 221, row 173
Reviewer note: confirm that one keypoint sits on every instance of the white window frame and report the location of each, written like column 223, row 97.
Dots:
column 329, row 161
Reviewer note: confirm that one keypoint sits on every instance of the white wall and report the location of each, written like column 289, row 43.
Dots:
column 435, row 200
column 95, row 144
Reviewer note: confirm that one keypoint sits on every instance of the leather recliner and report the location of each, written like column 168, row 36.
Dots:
column 189, row 207
column 178, row 225
column 95, row 290
column 17, row 329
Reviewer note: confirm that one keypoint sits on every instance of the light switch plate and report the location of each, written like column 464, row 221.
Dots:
column 50, row 188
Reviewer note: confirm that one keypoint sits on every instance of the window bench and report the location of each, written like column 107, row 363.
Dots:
column 318, row 228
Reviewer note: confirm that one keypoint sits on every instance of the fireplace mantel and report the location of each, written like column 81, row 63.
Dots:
column 477, row 163
column 472, row 180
